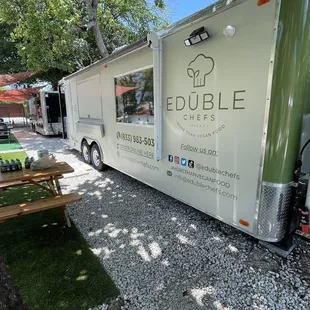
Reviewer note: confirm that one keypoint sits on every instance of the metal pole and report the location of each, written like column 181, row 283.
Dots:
column 60, row 108
column 24, row 116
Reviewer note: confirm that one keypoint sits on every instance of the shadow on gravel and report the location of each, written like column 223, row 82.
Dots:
column 166, row 255
column 33, row 141
column 158, row 247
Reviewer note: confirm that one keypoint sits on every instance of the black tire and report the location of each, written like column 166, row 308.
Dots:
column 86, row 152
column 96, row 158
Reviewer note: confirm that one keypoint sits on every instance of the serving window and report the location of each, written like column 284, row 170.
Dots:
column 134, row 97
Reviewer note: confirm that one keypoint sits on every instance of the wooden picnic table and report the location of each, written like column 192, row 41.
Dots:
column 51, row 178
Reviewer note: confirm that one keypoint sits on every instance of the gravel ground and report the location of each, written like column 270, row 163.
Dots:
column 163, row 254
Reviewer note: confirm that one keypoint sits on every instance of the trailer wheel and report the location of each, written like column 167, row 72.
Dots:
column 96, row 158
column 86, row 152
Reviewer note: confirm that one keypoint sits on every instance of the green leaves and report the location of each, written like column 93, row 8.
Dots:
column 47, row 35
column 45, row 32
column 9, row 60
column 160, row 4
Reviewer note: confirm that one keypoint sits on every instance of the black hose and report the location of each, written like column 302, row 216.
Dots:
column 60, row 110
column 304, row 147
column 296, row 178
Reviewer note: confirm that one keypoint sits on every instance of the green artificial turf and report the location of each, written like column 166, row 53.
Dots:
column 52, row 264
column 6, row 146
column 21, row 155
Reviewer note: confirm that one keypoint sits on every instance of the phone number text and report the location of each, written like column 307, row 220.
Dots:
column 135, row 139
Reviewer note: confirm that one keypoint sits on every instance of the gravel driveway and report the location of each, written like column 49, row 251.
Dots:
column 163, row 254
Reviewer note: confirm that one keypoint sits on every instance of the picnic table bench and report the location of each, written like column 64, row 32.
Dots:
column 49, row 176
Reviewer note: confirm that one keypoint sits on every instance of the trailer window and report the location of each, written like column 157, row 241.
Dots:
column 134, row 98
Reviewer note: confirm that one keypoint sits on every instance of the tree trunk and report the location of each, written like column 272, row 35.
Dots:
column 54, row 86
column 93, row 23
column 101, row 46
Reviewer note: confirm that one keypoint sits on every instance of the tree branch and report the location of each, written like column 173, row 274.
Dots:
column 80, row 66
column 93, row 23
column 100, row 43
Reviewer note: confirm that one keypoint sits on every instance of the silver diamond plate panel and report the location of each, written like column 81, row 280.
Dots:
column 273, row 209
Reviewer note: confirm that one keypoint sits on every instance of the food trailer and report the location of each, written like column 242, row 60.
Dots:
column 47, row 113
column 213, row 111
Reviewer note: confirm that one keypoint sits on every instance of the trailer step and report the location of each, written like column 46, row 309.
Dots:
column 278, row 247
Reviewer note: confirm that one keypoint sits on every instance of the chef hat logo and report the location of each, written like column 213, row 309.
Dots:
column 199, row 68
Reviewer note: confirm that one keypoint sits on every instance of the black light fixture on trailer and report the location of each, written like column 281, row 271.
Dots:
column 198, row 35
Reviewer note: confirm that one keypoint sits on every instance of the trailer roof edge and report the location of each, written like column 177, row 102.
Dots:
column 122, row 52
column 207, row 12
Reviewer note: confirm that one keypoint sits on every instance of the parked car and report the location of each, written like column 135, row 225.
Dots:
column 4, row 131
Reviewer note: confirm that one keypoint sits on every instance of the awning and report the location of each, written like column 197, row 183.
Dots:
column 119, row 90
column 19, row 95
column 7, row 79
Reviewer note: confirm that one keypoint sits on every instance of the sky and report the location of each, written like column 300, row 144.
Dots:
column 183, row 8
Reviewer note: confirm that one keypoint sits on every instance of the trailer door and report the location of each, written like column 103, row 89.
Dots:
column 215, row 94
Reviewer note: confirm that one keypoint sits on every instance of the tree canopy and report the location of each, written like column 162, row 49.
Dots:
column 60, row 36
column 10, row 62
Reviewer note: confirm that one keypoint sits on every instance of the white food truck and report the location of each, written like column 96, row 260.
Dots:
column 46, row 116
column 211, row 111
